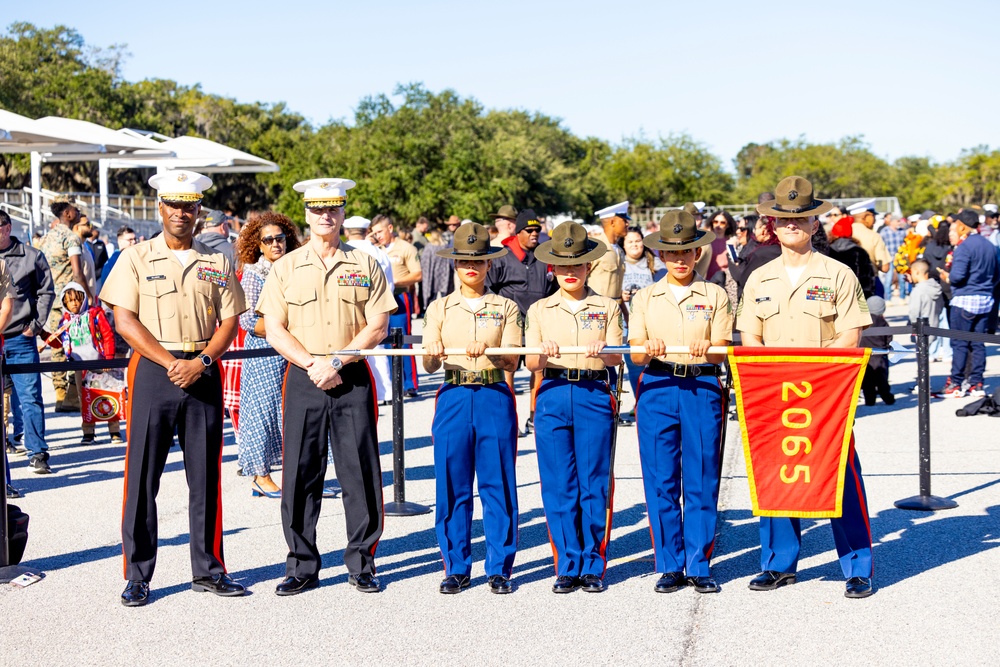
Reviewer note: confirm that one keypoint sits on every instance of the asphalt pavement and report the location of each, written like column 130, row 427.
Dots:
column 935, row 601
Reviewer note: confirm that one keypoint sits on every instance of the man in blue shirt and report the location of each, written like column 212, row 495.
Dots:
column 973, row 274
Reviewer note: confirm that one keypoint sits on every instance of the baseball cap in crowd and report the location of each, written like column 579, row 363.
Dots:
column 969, row 218
column 213, row 218
column 526, row 218
column 876, row 305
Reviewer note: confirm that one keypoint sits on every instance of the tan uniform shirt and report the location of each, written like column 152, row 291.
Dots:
column 404, row 260
column 703, row 313
column 873, row 244
column 451, row 321
column 608, row 272
column 176, row 304
column 324, row 306
column 599, row 318
column 826, row 301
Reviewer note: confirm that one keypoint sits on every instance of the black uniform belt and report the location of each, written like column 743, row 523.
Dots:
column 489, row 376
column 575, row 374
column 684, row 370
column 189, row 346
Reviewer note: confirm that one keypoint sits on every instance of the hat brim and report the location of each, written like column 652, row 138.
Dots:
column 595, row 250
column 497, row 216
column 654, row 241
column 818, row 207
column 451, row 253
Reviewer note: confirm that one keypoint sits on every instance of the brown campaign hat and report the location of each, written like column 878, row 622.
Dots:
column 506, row 211
column 793, row 198
column 570, row 246
column 472, row 241
column 678, row 231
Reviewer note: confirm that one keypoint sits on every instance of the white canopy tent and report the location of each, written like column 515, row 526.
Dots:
column 201, row 155
column 122, row 144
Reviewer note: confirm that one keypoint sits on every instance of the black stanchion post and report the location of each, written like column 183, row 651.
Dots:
column 399, row 506
column 925, row 501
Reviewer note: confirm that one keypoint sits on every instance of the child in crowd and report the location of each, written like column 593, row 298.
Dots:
column 876, row 380
column 86, row 335
column 927, row 298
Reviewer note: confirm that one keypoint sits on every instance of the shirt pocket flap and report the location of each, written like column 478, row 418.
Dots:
column 301, row 297
column 820, row 309
column 766, row 309
column 157, row 288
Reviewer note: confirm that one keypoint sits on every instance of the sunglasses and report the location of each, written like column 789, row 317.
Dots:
column 742, row 229
column 268, row 240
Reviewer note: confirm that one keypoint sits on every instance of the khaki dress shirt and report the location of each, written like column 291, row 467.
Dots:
column 404, row 260
column 177, row 304
column 599, row 318
column 703, row 313
column 608, row 272
column 450, row 320
column 826, row 301
column 324, row 306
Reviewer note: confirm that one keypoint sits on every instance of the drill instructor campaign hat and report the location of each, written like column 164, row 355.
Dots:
column 678, row 231
column 570, row 246
column 472, row 241
column 793, row 198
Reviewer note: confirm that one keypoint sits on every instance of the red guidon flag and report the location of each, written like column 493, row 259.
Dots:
column 796, row 408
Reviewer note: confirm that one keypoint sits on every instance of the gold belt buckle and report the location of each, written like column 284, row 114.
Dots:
column 471, row 377
column 188, row 346
column 573, row 374
column 683, row 373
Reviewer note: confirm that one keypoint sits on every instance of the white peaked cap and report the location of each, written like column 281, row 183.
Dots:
column 324, row 192
column 180, row 185
column 619, row 209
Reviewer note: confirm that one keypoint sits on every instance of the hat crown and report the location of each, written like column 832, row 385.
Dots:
column 570, row 240
column 472, row 239
column 678, row 226
column 180, row 185
column 506, row 211
column 794, row 192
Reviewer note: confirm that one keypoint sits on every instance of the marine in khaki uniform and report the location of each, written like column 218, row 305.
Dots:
column 679, row 404
column 318, row 299
column 805, row 299
column 475, row 423
column 574, row 412
column 608, row 272
column 406, row 273
column 176, row 302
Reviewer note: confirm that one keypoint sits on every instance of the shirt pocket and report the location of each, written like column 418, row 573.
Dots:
column 767, row 312
column 302, row 306
column 159, row 296
column 820, row 319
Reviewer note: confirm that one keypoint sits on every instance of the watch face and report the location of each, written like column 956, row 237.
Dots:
column 205, row 359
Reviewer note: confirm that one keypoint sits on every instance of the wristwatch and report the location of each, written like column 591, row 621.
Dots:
column 205, row 359
column 336, row 364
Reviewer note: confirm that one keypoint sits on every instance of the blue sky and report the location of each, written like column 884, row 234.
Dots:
column 915, row 78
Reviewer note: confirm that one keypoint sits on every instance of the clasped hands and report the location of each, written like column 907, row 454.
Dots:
column 185, row 372
column 323, row 374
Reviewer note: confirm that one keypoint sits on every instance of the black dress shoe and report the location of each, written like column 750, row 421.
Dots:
column 295, row 585
column 136, row 594
column 565, row 584
column 454, row 584
column 768, row 580
column 500, row 584
column 221, row 584
column 591, row 583
column 858, row 587
column 366, row 583
column 671, row 582
column 704, row 584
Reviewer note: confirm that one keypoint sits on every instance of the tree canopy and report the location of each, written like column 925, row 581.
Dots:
column 418, row 152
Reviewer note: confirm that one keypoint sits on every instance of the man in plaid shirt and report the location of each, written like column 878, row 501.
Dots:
column 893, row 234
